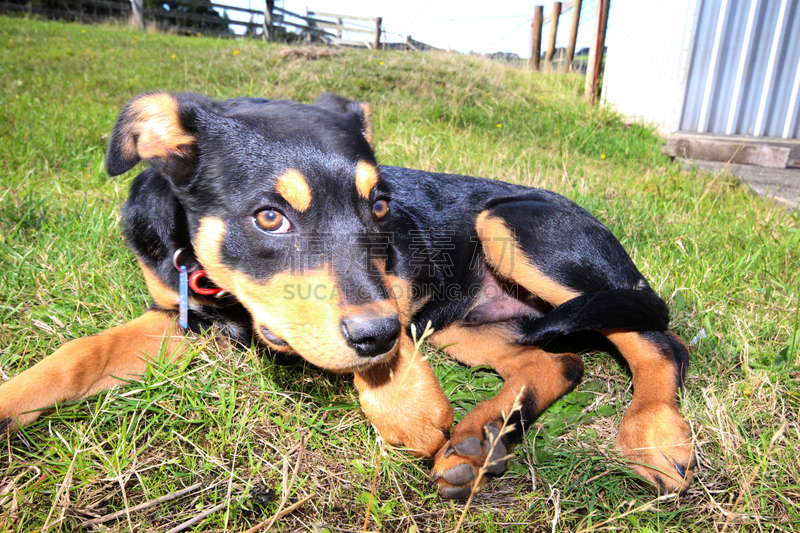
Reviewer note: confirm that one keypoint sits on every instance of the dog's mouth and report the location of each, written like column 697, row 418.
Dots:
column 272, row 338
column 347, row 357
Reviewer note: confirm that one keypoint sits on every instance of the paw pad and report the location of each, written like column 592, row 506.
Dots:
column 459, row 474
column 457, row 465
column 469, row 447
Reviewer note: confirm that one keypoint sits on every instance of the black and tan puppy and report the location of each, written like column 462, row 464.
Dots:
column 323, row 253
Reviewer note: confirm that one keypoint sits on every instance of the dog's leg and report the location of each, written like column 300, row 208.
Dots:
column 654, row 438
column 404, row 401
column 87, row 365
column 559, row 255
column 533, row 378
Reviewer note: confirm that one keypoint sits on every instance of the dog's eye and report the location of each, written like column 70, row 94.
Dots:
column 273, row 221
column 380, row 209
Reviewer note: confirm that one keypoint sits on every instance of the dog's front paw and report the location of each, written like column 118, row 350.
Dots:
column 458, row 463
column 419, row 420
column 657, row 444
column 405, row 403
column 421, row 435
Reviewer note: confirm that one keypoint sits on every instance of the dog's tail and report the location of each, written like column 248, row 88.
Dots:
column 637, row 310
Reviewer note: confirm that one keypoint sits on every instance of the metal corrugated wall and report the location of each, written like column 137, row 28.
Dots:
column 745, row 69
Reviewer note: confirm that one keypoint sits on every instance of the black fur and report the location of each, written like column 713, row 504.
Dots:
column 633, row 309
column 519, row 420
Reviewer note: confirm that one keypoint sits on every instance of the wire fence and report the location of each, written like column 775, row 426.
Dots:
column 274, row 23
column 586, row 24
column 205, row 17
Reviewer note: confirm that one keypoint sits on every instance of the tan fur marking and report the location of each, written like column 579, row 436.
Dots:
column 154, row 129
column 404, row 401
column 366, row 179
column 302, row 309
column 377, row 309
column 652, row 431
column 87, row 365
column 503, row 253
column 490, row 344
column 162, row 295
column 400, row 291
column 367, row 128
column 493, row 345
column 526, row 368
column 292, row 185
column 654, row 376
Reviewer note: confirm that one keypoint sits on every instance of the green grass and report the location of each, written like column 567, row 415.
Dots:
column 236, row 420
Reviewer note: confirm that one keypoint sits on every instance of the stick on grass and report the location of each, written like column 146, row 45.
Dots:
column 165, row 498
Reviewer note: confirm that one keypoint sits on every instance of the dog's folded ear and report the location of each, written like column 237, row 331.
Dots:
column 360, row 110
column 158, row 128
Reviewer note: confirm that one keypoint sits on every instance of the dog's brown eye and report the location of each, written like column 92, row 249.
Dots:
column 380, row 209
column 272, row 221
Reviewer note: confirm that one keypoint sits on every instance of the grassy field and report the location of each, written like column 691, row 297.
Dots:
column 254, row 434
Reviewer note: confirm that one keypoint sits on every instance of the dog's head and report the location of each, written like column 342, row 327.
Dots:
column 286, row 210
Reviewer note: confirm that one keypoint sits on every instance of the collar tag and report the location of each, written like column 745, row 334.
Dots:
column 183, row 304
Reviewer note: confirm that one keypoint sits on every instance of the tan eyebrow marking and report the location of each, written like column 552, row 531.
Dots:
column 366, row 179
column 292, row 185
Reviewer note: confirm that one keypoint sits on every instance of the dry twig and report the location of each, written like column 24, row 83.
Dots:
column 280, row 514
column 141, row 506
column 198, row 518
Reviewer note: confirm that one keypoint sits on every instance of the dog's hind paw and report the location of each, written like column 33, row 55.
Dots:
column 657, row 444
column 458, row 465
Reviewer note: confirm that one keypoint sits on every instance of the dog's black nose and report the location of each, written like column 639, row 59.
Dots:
column 371, row 335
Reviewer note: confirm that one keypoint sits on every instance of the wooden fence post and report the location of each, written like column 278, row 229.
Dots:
column 536, row 38
column 312, row 26
column 138, row 13
column 551, row 47
column 573, row 35
column 269, row 29
column 377, row 42
column 596, row 51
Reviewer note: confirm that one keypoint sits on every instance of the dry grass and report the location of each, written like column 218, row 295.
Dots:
column 306, row 52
